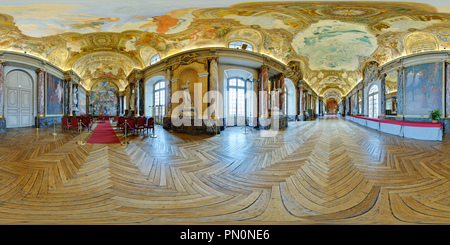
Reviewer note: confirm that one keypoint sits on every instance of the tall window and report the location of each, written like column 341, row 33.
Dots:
column 373, row 101
column 236, row 103
column 160, row 98
column 239, row 45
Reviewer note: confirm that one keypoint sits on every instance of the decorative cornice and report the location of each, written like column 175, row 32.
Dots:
column 39, row 70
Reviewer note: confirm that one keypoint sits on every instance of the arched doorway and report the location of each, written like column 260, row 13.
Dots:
column 19, row 99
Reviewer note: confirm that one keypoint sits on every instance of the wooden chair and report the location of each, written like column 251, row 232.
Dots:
column 131, row 125
column 65, row 124
column 140, row 124
column 150, row 124
column 85, row 121
column 121, row 123
column 74, row 124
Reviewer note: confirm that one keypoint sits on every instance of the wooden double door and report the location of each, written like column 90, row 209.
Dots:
column 18, row 100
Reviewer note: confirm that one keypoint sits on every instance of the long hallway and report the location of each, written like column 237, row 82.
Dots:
column 327, row 171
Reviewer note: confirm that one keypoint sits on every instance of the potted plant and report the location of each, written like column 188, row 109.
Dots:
column 435, row 115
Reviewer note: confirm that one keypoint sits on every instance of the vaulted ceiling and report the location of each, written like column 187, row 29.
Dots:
column 335, row 41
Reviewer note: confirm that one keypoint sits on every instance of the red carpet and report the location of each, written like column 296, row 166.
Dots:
column 104, row 134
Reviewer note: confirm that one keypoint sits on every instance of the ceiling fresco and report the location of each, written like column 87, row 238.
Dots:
column 335, row 45
column 334, row 41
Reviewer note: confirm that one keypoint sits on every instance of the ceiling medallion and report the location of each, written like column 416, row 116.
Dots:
column 348, row 12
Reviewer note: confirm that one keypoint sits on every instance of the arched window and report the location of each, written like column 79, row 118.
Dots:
column 240, row 45
column 155, row 59
column 373, row 101
column 159, row 97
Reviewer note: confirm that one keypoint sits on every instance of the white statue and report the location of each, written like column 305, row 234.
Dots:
column 188, row 108
column 187, row 96
column 75, row 97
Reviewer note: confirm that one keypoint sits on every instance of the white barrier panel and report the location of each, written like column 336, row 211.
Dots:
column 423, row 133
column 373, row 125
column 391, row 129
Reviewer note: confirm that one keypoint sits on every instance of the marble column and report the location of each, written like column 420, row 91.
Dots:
column 264, row 97
column 447, row 89
column 300, row 102
column 2, row 112
column 40, row 92
column 214, row 85
column 282, row 94
column 142, row 98
column 357, row 102
column 69, row 98
column 362, row 100
column 136, row 98
column 400, row 98
column 383, row 96
column 168, row 78
column 446, row 114
column 307, row 100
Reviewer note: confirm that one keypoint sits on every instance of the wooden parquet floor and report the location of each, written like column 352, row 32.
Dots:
column 327, row 171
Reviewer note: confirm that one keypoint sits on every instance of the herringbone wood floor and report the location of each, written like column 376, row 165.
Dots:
column 316, row 172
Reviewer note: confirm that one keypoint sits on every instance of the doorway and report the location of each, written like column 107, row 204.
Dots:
column 19, row 100
column 236, row 102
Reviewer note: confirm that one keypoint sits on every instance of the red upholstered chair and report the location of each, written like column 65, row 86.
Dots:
column 121, row 123
column 85, row 121
column 140, row 124
column 106, row 118
column 131, row 125
column 74, row 124
column 100, row 118
column 150, row 124
column 65, row 124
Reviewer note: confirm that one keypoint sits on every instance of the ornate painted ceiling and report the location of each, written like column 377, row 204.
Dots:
column 336, row 41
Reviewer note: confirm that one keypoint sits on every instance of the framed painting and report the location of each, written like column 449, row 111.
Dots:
column 423, row 91
column 104, row 99
column 54, row 96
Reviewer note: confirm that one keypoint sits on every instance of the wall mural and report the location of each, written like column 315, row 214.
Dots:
column 104, row 99
column 423, row 88
column 55, row 98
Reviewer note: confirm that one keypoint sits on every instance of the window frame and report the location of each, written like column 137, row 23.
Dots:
column 372, row 98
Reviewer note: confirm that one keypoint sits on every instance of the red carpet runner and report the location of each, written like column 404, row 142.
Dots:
column 104, row 134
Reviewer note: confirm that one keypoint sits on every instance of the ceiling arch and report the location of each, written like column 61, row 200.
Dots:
column 104, row 66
